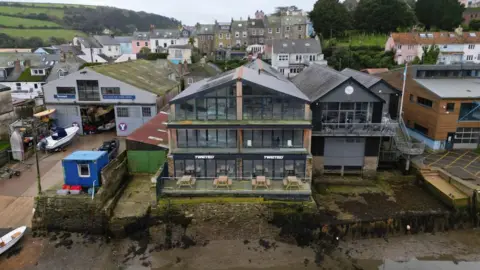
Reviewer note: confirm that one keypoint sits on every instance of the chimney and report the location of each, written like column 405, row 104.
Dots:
column 180, row 69
column 18, row 68
column 185, row 66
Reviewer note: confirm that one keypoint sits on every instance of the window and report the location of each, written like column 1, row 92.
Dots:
column 227, row 35
column 399, row 46
column 450, row 107
column 146, row 112
column 172, row 42
column 424, row 102
column 110, row 90
column 35, row 86
column 244, row 34
column 146, row 43
column 123, row 112
column 237, row 34
column 83, row 170
column 469, row 112
column 420, row 129
column 138, row 43
column 409, row 58
column 471, row 46
column 287, row 28
column 260, row 32
column 207, row 138
column 469, row 57
column 220, row 36
column 278, row 30
column 300, row 27
column 298, row 58
column 156, row 43
column 412, row 99
column 190, row 80
column 18, row 84
column 346, row 112
column 467, row 135
column 109, row 48
column 260, row 104
column 254, row 32
column 270, row 30
column 238, row 42
column 35, row 71
column 66, row 90
column 411, row 47
column 299, row 36
column 283, row 57
column 88, row 90
column 312, row 57
column 272, row 138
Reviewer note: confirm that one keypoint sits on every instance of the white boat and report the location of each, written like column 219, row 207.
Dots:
column 107, row 126
column 11, row 238
column 59, row 139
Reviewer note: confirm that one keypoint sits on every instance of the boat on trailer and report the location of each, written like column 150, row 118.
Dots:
column 11, row 238
column 59, row 140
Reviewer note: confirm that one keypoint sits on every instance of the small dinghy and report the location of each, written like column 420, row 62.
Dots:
column 11, row 238
column 61, row 138
column 107, row 126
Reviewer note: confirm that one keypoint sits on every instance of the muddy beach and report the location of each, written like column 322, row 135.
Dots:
column 78, row 251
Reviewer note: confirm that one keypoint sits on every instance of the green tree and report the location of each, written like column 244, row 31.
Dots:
column 430, row 55
column 145, row 50
column 441, row 14
column 330, row 18
column 191, row 41
column 474, row 25
column 350, row 5
column 383, row 16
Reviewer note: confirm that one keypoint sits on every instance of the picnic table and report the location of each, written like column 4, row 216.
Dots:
column 186, row 181
column 222, row 181
column 291, row 182
column 260, row 181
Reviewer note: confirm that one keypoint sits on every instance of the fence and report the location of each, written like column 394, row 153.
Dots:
column 145, row 161
column 4, row 156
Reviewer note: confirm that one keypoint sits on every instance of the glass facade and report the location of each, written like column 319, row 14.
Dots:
column 467, row 135
column 469, row 112
column 273, row 138
column 217, row 105
column 88, row 90
column 276, row 169
column 263, row 105
column 206, row 168
column 346, row 112
column 206, row 138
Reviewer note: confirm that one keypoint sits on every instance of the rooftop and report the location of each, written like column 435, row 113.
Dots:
column 89, row 42
column 452, row 88
column 206, row 29
column 363, row 78
column 297, row 46
column 186, row 46
column 141, row 36
column 165, row 33
column 316, row 80
column 85, row 155
column 153, row 132
column 436, row 38
column 106, row 40
column 143, row 74
column 4, row 88
column 26, row 76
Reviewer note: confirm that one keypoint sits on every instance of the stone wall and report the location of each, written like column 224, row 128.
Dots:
column 113, row 176
column 171, row 167
column 370, row 167
column 77, row 213
column 317, row 162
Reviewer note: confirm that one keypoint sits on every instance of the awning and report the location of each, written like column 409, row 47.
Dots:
column 44, row 113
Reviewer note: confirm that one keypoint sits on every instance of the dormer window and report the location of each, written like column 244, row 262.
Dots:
column 472, row 34
column 430, row 35
column 423, row 35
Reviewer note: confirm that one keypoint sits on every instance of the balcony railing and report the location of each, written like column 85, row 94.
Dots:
column 236, row 186
column 357, row 129
column 233, row 119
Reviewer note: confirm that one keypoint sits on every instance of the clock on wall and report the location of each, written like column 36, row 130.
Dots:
column 349, row 90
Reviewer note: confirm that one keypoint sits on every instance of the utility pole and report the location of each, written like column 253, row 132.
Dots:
column 35, row 142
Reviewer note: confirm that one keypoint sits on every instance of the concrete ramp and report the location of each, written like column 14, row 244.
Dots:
column 447, row 192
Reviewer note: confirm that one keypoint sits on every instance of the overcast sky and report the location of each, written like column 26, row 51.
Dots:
column 193, row 11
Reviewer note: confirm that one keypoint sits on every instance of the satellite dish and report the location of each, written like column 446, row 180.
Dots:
column 349, row 90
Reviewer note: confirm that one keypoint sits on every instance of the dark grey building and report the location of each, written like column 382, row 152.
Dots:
column 256, row 31
column 239, row 33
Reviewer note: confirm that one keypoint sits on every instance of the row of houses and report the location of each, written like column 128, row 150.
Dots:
column 455, row 47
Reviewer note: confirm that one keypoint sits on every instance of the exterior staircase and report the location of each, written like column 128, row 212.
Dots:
column 404, row 142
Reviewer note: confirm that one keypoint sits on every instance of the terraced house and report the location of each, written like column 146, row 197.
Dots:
column 256, row 31
column 239, row 33
column 206, row 34
column 223, row 37
column 246, row 131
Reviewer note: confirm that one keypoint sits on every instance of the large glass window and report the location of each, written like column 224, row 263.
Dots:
column 202, row 168
column 272, row 138
column 217, row 105
column 469, row 112
column 346, row 112
column 274, row 169
column 88, row 90
column 263, row 105
column 211, row 138
column 467, row 135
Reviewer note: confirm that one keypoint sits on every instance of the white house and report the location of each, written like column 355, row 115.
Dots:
column 161, row 39
column 89, row 46
column 111, row 46
column 178, row 54
column 290, row 57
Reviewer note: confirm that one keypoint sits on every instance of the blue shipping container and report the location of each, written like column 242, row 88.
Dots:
column 83, row 168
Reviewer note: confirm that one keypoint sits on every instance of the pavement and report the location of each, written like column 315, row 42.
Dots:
column 17, row 193
column 464, row 164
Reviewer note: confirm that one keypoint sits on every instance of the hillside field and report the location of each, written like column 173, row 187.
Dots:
column 12, row 10
column 358, row 40
column 16, row 21
column 45, row 34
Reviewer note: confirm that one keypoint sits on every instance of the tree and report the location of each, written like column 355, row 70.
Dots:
column 191, row 41
column 444, row 14
column 430, row 55
column 145, row 50
column 330, row 18
column 383, row 16
column 350, row 5
column 283, row 10
column 474, row 25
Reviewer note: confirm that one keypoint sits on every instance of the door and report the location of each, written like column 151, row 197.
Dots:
column 67, row 115
column 450, row 141
column 344, row 152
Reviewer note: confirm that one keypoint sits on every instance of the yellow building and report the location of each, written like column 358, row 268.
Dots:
column 223, row 37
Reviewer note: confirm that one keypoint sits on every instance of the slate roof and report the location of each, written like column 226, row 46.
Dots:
column 89, row 42
column 142, row 74
column 153, row 132
column 246, row 74
column 296, row 46
column 141, row 36
column 316, row 80
column 70, row 65
column 239, row 25
column 206, row 29
column 7, row 61
column 106, row 40
column 123, row 39
column 165, row 33
column 273, row 21
column 255, row 23
column 363, row 78
column 263, row 66
column 294, row 20
column 66, row 48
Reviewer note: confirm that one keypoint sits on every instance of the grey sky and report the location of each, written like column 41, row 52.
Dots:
column 193, row 11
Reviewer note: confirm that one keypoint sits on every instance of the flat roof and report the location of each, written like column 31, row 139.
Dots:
column 452, row 88
column 85, row 155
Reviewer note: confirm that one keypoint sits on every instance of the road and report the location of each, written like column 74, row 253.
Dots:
column 17, row 194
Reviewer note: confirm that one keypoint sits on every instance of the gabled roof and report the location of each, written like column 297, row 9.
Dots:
column 141, row 36
column 246, row 74
column 106, row 40
column 143, row 74
column 258, row 64
column 206, row 29
column 89, row 42
column 153, row 132
column 273, row 20
column 165, row 33
column 316, row 80
column 294, row 20
column 437, row 38
column 296, row 46
column 123, row 39
column 363, row 78
column 256, row 23
column 239, row 25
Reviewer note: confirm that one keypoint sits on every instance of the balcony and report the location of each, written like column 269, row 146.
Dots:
column 236, row 186
column 303, row 122
column 355, row 130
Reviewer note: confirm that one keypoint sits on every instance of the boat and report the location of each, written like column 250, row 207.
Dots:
column 11, row 238
column 61, row 138
column 111, row 147
column 107, row 126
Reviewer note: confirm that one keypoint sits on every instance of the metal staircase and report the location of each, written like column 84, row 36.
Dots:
column 404, row 143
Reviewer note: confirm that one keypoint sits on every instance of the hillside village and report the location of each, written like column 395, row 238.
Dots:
column 337, row 137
